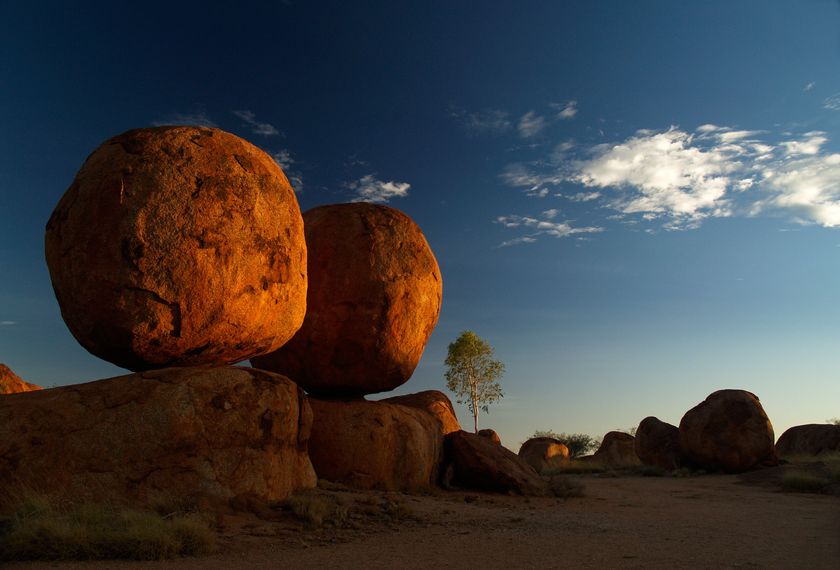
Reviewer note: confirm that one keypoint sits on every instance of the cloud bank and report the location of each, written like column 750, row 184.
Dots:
column 370, row 189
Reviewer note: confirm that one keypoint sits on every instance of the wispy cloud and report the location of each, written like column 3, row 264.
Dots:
column 584, row 196
column 531, row 124
column 286, row 162
column 486, row 122
column 566, row 110
column 7, row 323
column 809, row 86
column 258, row 128
column 832, row 103
column 199, row 119
column 370, row 189
column 543, row 225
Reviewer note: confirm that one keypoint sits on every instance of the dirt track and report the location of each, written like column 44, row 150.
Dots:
column 629, row 522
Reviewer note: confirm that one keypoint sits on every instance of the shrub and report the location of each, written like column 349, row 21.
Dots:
column 578, row 443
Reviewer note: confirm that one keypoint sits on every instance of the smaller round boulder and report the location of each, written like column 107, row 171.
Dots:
column 728, row 431
column 435, row 402
column 617, row 450
column 810, row 439
column 543, row 453
column 491, row 435
column 658, row 443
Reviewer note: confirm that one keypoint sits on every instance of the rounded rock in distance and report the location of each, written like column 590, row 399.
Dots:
column 178, row 246
column 374, row 298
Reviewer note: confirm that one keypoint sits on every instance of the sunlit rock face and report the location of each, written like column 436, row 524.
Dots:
column 617, row 449
column 436, row 403
column 178, row 246
column 810, row 439
column 374, row 298
column 180, row 433
column 375, row 445
column 542, row 453
column 658, row 443
column 493, row 436
column 11, row 383
column 728, row 431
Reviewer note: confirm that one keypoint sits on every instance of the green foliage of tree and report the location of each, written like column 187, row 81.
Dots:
column 578, row 443
column 473, row 374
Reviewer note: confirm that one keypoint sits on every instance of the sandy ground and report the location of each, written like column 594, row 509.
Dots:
column 714, row 521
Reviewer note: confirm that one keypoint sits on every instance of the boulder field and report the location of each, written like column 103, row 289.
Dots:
column 186, row 433
column 178, row 246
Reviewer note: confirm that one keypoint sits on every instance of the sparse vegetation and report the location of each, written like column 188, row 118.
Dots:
column 39, row 527
column 318, row 509
column 835, row 421
column 804, row 482
column 579, row 444
column 565, row 487
column 473, row 374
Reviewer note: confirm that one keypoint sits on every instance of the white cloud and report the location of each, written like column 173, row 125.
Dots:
column 550, row 214
column 808, row 187
column 584, row 196
column 264, row 129
column 369, row 189
column 832, row 103
column 732, row 136
column 531, row 124
column 566, row 110
column 286, row 162
column 543, row 226
column 7, row 323
column 809, row 86
column 810, row 145
column 487, row 122
column 517, row 241
column 194, row 119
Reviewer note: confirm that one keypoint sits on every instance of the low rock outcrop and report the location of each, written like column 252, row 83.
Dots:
column 182, row 432
column 433, row 401
column 809, row 439
column 617, row 450
column 491, row 435
column 479, row 463
column 374, row 298
column 375, row 445
column 658, row 443
column 178, row 246
column 543, row 453
column 728, row 431
column 11, row 383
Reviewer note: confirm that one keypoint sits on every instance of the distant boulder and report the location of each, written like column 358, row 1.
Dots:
column 658, row 443
column 11, row 383
column 477, row 462
column 809, row 439
column 178, row 246
column 491, row 435
column 433, row 401
column 375, row 445
column 374, row 297
column 543, row 453
column 728, row 431
column 202, row 433
column 617, row 450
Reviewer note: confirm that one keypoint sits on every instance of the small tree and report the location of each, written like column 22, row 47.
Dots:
column 472, row 373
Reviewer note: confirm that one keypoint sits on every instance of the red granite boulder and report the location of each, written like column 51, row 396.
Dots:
column 435, row 402
column 728, row 431
column 178, row 246
column 375, row 445
column 479, row 463
column 374, row 297
column 491, row 435
column 11, row 383
column 543, row 453
column 180, row 432
column 810, row 439
column 658, row 443
column 617, row 450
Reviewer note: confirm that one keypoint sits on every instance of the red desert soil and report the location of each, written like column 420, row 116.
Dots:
column 630, row 522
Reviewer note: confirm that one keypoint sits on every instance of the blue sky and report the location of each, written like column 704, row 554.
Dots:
column 635, row 203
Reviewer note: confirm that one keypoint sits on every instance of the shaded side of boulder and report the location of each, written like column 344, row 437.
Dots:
column 728, row 431
column 178, row 246
column 543, row 453
column 11, row 383
column 433, row 401
column 809, row 439
column 657, row 443
column 374, row 297
column 375, row 445
column 479, row 463
column 180, row 432
column 491, row 435
column 617, row 450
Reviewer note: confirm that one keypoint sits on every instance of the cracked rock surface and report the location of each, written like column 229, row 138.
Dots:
column 374, row 298
column 178, row 246
column 175, row 433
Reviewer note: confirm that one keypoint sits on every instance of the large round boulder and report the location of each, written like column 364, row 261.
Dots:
column 435, row 402
column 658, row 443
column 728, row 431
column 810, row 439
column 543, row 453
column 11, row 383
column 374, row 297
column 375, row 445
column 178, row 246
column 617, row 449
column 178, row 433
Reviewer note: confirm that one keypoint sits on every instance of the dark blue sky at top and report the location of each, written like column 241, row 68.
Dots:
column 597, row 332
